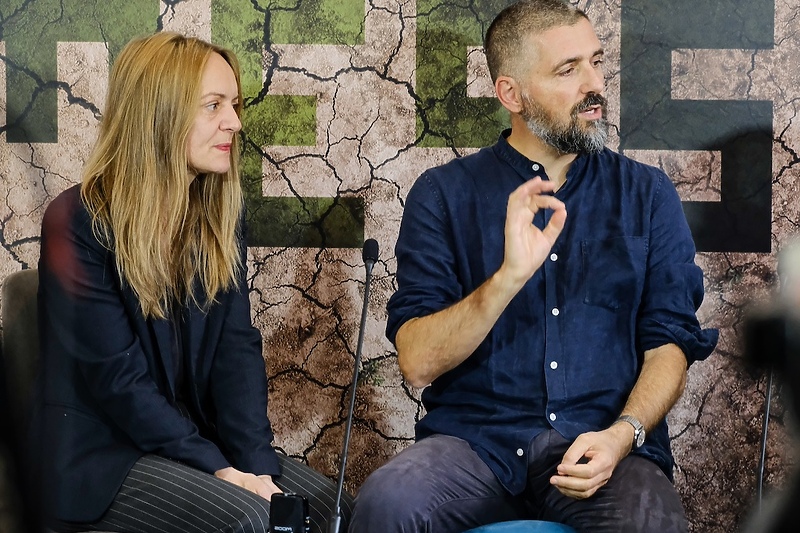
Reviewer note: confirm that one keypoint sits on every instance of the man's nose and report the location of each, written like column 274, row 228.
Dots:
column 594, row 81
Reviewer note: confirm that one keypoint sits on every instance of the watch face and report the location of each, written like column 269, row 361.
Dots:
column 639, row 438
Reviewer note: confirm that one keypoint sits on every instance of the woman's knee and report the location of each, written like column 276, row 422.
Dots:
column 252, row 517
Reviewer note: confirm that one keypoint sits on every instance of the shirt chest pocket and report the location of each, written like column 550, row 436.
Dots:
column 613, row 271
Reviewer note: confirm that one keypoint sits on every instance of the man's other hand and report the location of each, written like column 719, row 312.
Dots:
column 591, row 459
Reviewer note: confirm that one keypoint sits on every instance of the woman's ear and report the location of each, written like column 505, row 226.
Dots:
column 509, row 94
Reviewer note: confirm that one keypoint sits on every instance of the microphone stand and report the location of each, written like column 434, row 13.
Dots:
column 762, row 456
column 370, row 255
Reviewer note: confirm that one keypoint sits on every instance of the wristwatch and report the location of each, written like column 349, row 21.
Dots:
column 638, row 429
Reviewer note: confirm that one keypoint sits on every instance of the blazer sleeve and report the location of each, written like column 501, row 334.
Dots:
column 238, row 384
column 110, row 372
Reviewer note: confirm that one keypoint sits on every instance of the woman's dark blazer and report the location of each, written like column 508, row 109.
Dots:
column 109, row 376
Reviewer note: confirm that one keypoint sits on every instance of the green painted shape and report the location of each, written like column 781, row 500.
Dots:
column 246, row 29
column 317, row 22
column 281, row 120
column 446, row 116
column 32, row 29
column 309, row 222
column 287, row 120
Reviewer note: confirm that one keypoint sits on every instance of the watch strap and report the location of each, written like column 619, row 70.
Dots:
column 638, row 429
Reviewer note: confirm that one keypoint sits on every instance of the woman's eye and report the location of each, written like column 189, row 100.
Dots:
column 212, row 106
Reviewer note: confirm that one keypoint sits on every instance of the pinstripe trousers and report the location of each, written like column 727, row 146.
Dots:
column 163, row 496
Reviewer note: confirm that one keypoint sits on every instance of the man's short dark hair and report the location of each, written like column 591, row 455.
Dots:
column 506, row 36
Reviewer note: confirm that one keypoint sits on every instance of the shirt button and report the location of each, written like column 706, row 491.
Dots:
column 553, row 257
column 555, row 311
column 535, row 166
column 552, row 417
column 520, row 452
column 553, row 365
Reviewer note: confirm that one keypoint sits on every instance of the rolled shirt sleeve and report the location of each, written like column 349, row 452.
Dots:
column 673, row 288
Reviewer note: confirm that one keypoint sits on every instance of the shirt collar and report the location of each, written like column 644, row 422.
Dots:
column 527, row 168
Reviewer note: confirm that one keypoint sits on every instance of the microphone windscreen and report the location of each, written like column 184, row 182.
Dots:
column 370, row 252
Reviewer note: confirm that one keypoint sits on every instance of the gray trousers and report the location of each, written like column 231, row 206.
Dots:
column 440, row 485
column 163, row 496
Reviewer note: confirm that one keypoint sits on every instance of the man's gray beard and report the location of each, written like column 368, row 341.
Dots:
column 570, row 140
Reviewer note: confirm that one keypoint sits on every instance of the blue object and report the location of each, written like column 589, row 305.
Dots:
column 523, row 526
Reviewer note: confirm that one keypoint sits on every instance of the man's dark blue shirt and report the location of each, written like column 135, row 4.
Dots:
column 566, row 352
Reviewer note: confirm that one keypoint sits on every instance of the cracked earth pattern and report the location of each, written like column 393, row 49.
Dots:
column 375, row 127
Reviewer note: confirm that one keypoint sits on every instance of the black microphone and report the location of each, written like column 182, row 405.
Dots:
column 369, row 255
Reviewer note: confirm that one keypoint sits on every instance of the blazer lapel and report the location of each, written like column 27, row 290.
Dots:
column 162, row 330
column 195, row 346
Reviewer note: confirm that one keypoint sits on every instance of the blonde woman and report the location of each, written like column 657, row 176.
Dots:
column 154, row 395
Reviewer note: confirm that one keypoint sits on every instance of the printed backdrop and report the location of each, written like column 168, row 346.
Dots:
column 348, row 101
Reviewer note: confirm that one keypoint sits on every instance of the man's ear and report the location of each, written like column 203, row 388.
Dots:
column 509, row 93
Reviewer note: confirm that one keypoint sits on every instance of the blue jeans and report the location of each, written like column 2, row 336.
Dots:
column 440, row 485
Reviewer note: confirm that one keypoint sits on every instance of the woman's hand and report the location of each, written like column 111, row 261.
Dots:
column 261, row 485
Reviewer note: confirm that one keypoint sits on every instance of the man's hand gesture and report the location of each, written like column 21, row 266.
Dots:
column 526, row 246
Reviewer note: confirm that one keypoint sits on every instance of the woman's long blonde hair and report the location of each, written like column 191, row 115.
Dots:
column 168, row 232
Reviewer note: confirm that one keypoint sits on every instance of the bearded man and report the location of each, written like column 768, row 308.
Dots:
column 547, row 294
